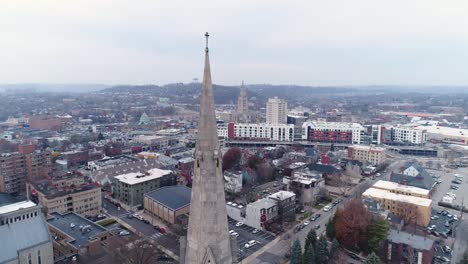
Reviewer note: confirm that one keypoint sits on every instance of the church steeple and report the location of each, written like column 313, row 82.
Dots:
column 208, row 240
column 207, row 132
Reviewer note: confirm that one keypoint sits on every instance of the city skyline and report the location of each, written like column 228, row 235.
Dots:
column 317, row 44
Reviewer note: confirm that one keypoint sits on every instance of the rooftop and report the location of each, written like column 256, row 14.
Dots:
column 383, row 194
column 114, row 161
column 50, row 191
column 174, row 197
column 16, row 206
column 6, row 199
column 446, row 131
column 138, row 177
column 367, row 148
column 415, row 241
column 388, row 185
column 282, row 195
column 80, row 229
column 22, row 235
column 263, row 203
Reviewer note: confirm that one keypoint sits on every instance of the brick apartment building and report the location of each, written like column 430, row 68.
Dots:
column 68, row 192
column 18, row 167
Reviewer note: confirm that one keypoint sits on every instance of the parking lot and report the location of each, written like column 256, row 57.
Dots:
column 245, row 235
column 458, row 243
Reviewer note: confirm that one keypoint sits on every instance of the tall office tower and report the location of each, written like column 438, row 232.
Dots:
column 208, row 240
column 276, row 111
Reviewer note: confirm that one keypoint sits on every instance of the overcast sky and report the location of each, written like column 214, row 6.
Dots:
column 310, row 42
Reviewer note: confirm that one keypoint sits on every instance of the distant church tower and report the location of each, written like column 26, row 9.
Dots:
column 208, row 240
column 242, row 114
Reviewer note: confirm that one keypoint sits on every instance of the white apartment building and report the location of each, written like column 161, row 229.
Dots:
column 333, row 132
column 409, row 135
column 274, row 132
column 223, row 131
column 276, row 111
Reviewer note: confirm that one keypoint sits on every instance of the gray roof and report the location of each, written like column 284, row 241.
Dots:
column 6, row 199
column 415, row 241
column 63, row 221
column 21, row 235
column 423, row 180
column 173, row 197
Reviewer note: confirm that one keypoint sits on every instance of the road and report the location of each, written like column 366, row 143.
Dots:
column 168, row 240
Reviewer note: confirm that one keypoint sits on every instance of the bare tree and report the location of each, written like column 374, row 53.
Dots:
column 353, row 171
column 140, row 251
column 409, row 213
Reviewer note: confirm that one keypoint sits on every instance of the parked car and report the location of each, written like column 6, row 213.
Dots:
column 139, row 217
column 306, row 223
column 314, row 217
column 316, row 227
column 250, row 244
column 239, row 224
column 434, row 217
column 326, row 208
column 145, row 221
column 446, row 249
column 235, row 234
column 255, row 231
column 435, row 233
column 124, row 233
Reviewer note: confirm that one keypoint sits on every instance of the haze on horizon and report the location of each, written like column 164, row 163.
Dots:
column 358, row 42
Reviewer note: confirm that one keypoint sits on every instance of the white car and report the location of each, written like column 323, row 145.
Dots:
column 239, row 224
column 255, row 231
column 235, row 234
column 250, row 244
column 326, row 208
column 455, row 218
column 139, row 217
column 231, row 231
column 306, row 223
column 124, row 233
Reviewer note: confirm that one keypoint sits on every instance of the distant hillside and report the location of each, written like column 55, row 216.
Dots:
column 56, row 88
column 226, row 94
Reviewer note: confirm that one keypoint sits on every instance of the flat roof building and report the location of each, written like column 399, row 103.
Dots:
column 402, row 205
column 74, row 234
column 24, row 236
column 168, row 202
column 68, row 193
column 130, row 188
column 373, row 155
column 402, row 189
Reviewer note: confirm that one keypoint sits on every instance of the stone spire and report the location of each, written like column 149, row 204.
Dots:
column 208, row 240
column 242, row 103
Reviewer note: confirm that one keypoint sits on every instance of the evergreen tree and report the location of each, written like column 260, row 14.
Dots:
column 311, row 239
column 100, row 137
column 372, row 259
column 330, row 231
column 377, row 231
column 309, row 255
column 335, row 245
column 321, row 251
column 296, row 253
column 464, row 259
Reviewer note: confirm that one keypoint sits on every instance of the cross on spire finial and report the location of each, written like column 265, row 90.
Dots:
column 206, row 36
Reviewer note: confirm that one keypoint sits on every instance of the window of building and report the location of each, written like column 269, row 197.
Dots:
column 39, row 257
column 29, row 259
